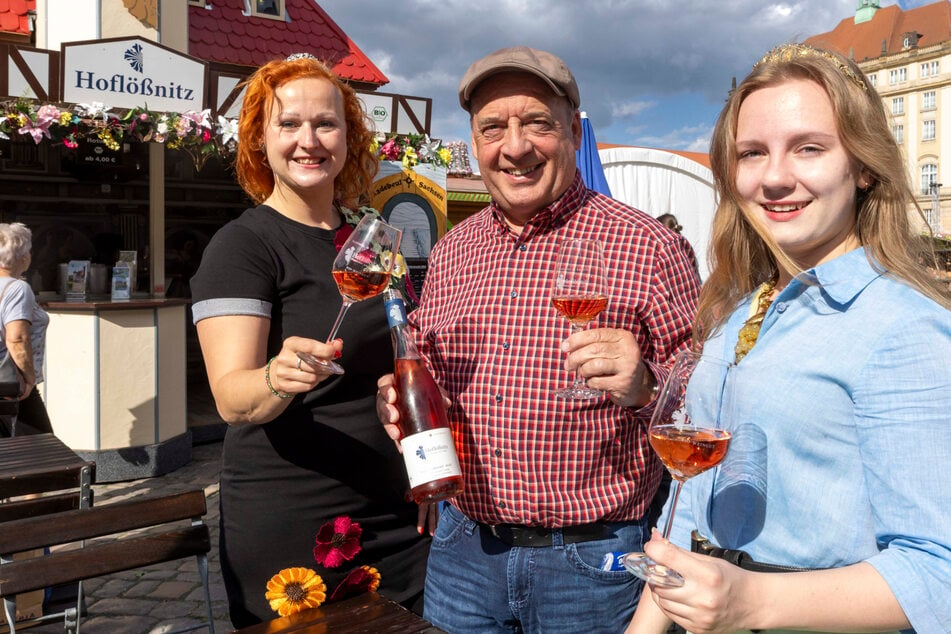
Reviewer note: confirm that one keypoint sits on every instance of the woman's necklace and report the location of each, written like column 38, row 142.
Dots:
column 750, row 330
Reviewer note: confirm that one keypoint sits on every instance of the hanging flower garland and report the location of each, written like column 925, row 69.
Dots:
column 191, row 132
column 294, row 589
column 196, row 133
column 411, row 150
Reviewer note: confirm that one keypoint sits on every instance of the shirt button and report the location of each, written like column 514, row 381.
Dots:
column 498, row 398
column 513, row 294
column 505, row 345
column 781, row 307
column 522, row 247
column 501, row 505
column 498, row 452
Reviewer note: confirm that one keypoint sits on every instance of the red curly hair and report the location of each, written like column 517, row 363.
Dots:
column 352, row 185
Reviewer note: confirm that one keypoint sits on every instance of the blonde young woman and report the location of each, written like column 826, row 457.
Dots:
column 840, row 396
column 23, row 324
column 302, row 448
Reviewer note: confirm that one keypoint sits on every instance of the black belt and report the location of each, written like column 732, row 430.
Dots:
column 741, row 558
column 540, row 536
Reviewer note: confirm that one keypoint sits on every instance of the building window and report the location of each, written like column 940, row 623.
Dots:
column 268, row 8
column 897, row 76
column 929, row 100
column 927, row 130
column 898, row 105
column 929, row 176
column 930, row 69
column 898, row 131
column 873, row 79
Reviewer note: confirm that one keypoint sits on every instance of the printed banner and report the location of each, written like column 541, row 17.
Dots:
column 413, row 200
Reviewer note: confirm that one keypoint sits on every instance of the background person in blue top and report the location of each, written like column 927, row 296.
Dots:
column 841, row 408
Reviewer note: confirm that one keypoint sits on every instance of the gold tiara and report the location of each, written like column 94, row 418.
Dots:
column 789, row 52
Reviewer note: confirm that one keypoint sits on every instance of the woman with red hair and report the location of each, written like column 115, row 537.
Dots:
column 303, row 447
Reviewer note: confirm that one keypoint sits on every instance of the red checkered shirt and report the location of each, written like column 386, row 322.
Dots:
column 491, row 335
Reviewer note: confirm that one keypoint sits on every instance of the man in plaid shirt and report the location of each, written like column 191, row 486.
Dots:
column 551, row 485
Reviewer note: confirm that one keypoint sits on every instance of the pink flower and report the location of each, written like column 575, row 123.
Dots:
column 340, row 238
column 390, row 150
column 337, row 541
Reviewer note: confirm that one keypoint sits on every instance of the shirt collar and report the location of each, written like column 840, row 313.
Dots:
column 844, row 277
column 557, row 213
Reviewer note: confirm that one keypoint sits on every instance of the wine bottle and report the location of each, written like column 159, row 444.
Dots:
column 428, row 451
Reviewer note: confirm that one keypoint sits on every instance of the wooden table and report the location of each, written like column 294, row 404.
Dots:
column 41, row 463
column 367, row 613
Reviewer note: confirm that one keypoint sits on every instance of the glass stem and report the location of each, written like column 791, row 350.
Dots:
column 673, row 507
column 579, row 380
column 336, row 326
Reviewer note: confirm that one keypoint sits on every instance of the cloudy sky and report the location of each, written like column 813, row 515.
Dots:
column 651, row 72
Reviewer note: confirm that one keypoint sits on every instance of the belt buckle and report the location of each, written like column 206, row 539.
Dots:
column 503, row 536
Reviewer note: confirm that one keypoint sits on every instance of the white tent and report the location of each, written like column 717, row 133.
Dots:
column 661, row 182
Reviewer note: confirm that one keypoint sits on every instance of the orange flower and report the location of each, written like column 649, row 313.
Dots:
column 360, row 580
column 295, row 589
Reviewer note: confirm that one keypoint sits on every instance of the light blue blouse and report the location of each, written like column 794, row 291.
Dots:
column 841, row 421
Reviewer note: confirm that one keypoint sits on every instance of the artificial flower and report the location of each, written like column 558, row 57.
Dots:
column 337, row 541
column 360, row 580
column 40, row 128
column 295, row 589
column 390, row 150
column 412, row 149
column 228, row 130
column 343, row 233
column 409, row 157
column 444, row 155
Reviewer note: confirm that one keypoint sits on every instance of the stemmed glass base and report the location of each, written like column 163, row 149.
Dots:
column 330, row 366
column 640, row 565
column 577, row 392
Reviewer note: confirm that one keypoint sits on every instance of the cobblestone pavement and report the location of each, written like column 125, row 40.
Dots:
column 166, row 597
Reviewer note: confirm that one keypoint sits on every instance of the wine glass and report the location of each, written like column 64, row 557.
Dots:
column 361, row 270
column 579, row 295
column 685, row 433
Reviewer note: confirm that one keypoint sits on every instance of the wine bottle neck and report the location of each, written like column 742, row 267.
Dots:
column 403, row 345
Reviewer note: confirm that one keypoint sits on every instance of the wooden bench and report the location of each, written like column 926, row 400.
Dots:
column 124, row 551
column 40, row 475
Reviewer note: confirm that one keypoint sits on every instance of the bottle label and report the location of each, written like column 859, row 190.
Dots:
column 430, row 455
column 395, row 312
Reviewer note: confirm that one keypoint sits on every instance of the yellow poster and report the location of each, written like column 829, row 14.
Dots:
column 414, row 200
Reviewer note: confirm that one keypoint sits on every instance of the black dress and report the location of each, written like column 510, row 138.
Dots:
column 327, row 455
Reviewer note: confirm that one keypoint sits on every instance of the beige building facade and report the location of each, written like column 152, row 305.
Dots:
column 906, row 55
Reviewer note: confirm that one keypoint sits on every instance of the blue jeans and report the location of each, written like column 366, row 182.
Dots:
column 476, row 584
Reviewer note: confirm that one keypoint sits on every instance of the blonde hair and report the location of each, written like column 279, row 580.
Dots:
column 743, row 254
column 352, row 185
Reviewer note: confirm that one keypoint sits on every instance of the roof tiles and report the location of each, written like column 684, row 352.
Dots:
column 864, row 41
column 224, row 34
column 13, row 17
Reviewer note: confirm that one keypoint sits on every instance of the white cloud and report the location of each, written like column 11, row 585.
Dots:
column 631, row 108
column 656, row 65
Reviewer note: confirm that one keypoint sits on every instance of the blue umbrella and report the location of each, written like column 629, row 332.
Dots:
column 588, row 160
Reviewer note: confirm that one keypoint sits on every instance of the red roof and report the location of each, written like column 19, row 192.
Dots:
column 697, row 157
column 863, row 41
column 224, row 34
column 13, row 18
